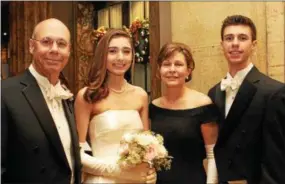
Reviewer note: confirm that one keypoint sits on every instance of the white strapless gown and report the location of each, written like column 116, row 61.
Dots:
column 105, row 131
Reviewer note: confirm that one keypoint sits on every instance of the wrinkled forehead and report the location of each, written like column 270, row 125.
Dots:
column 52, row 30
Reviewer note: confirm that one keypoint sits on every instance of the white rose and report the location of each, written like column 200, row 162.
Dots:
column 145, row 140
column 128, row 137
column 162, row 152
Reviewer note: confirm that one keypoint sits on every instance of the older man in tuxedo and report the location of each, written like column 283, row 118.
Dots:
column 242, row 99
column 38, row 131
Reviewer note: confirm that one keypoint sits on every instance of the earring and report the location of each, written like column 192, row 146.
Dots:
column 186, row 78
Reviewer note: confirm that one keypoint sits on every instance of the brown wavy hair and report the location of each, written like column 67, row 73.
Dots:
column 97, row 76
column 169, row 49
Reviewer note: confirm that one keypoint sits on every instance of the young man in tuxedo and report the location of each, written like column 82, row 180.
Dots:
column 242, row 99
column 38, row 132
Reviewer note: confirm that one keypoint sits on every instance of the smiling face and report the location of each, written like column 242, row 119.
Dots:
column 174, row 70
column 119, row 56
column 50, row 47
column 237, row 45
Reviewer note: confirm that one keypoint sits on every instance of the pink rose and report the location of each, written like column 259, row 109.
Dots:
column 151, row 152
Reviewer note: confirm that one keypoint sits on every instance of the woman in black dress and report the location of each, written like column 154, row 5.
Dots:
column 185, row 118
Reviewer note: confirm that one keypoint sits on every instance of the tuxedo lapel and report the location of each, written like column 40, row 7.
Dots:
column 34, row 96
column 71, row 121
column 241, row 103
column 68, row 109
column 220, row 100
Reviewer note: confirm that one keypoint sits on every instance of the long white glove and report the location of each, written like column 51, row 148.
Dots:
column 99, row 167
column 212, row 174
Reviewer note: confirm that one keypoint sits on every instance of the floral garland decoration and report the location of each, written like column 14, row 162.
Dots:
column 97, row 34
column 139, row 30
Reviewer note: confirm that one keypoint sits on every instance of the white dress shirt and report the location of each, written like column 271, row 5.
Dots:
column 230, row 93
column 57, row 112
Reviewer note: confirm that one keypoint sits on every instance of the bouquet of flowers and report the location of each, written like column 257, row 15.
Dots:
column 136, row 148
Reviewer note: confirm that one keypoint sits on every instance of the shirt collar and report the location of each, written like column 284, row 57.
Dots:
column 240, row 75
column 52, row 92
column 42, row 81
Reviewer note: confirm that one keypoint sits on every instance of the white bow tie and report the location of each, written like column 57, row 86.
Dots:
column 229, row 84
column 57, row 92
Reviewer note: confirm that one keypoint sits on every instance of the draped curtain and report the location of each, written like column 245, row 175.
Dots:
column 116, row 16
column 146, row 9
column 136, row 10
column 103, row 17
column 24, row 15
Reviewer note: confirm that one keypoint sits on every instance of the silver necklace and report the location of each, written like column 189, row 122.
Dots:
column 120, row 91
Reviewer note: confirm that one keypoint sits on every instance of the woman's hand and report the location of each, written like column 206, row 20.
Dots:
column 142, row 173
column 151, row 176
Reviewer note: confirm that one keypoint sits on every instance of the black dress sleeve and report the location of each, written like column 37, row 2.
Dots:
column 208, row 114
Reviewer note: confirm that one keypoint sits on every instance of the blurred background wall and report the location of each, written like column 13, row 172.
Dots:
column 198, row 24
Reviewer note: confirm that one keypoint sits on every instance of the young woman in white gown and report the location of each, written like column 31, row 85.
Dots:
column 107, row 108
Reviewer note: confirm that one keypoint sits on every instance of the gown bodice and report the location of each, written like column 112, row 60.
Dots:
column 105, row 132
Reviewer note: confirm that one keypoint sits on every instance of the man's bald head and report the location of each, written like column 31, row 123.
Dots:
column 50, row 24
column 50, row 47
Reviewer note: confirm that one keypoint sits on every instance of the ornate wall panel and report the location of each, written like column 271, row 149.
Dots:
column 84, row 48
